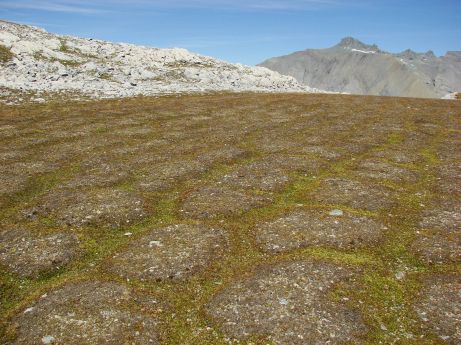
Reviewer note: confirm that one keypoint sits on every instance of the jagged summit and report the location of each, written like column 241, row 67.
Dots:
column 36, row 61
column 353, row 43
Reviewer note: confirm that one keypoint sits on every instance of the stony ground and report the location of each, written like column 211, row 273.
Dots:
column 231, row 219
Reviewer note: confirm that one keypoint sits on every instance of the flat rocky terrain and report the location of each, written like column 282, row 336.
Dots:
column 231, row 219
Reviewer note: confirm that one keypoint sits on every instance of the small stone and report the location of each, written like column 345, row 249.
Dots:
column 48, row 339
column 400, row 275
column 283, row 301
column 336, row 213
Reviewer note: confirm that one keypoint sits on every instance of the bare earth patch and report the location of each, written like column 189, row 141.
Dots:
column 89, row 313
column 103, row 207
column 355, row 194
column 272, row 172
column 318, row 228
column 11, row 184
column 99, row 172
column 437, row 246
column 224, row 154
column 174, row 252
column 162, row 176
column 443, row 218
column 213, row 201
column 322, row 152
column 29, row 256
column 439, row 237
column 439, row 307
column 449, row 179
column 258, row 175
column 400, row 156
column 288, row 303
column 375, row 169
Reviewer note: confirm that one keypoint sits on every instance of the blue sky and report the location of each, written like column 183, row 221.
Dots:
column 249, row 31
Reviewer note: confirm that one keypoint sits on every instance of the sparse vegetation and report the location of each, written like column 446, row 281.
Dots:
column 64, row 48
column 105, row 76
column 5, row 54
column 68, row 63
column 120, row 174
column 458, row 95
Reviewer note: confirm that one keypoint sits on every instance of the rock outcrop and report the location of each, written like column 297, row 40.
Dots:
column 32, row 60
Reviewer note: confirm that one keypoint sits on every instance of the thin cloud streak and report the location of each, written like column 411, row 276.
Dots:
column 52, row 6
column 98, row 6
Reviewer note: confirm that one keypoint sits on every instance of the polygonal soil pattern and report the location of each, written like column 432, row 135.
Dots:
column 29, row 256
column 99, row 172
column 174, row 252
column 91, row 312
column 379, row 170
column 437, row 246
column 161, row 176
column 213, row 201
column 271, row 173
column 439, row 306
column 258, row 175
column 107, row 207
column 443, row 218
column 354, row 194
column 399, row 156
column 290, row 303
column 306, row 228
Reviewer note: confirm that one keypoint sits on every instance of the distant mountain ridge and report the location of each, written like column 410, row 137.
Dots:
column 33, row 60
column 354, row 67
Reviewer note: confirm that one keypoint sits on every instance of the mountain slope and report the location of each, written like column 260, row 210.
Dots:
column 33, row 60
column 354, row 67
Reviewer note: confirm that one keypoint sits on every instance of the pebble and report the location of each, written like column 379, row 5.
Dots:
column 336, row 213
column 400, row 275
column 48, row 339
column 283, row 301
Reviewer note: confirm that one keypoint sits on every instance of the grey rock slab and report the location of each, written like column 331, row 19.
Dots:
column 175, row 252
column 290, row 303
column 305, row 228
column 90, row 312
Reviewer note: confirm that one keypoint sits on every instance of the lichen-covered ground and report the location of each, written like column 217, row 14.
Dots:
column 231, row 219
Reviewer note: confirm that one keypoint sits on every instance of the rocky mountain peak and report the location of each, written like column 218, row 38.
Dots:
column 353, row 43
column 354, row 67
